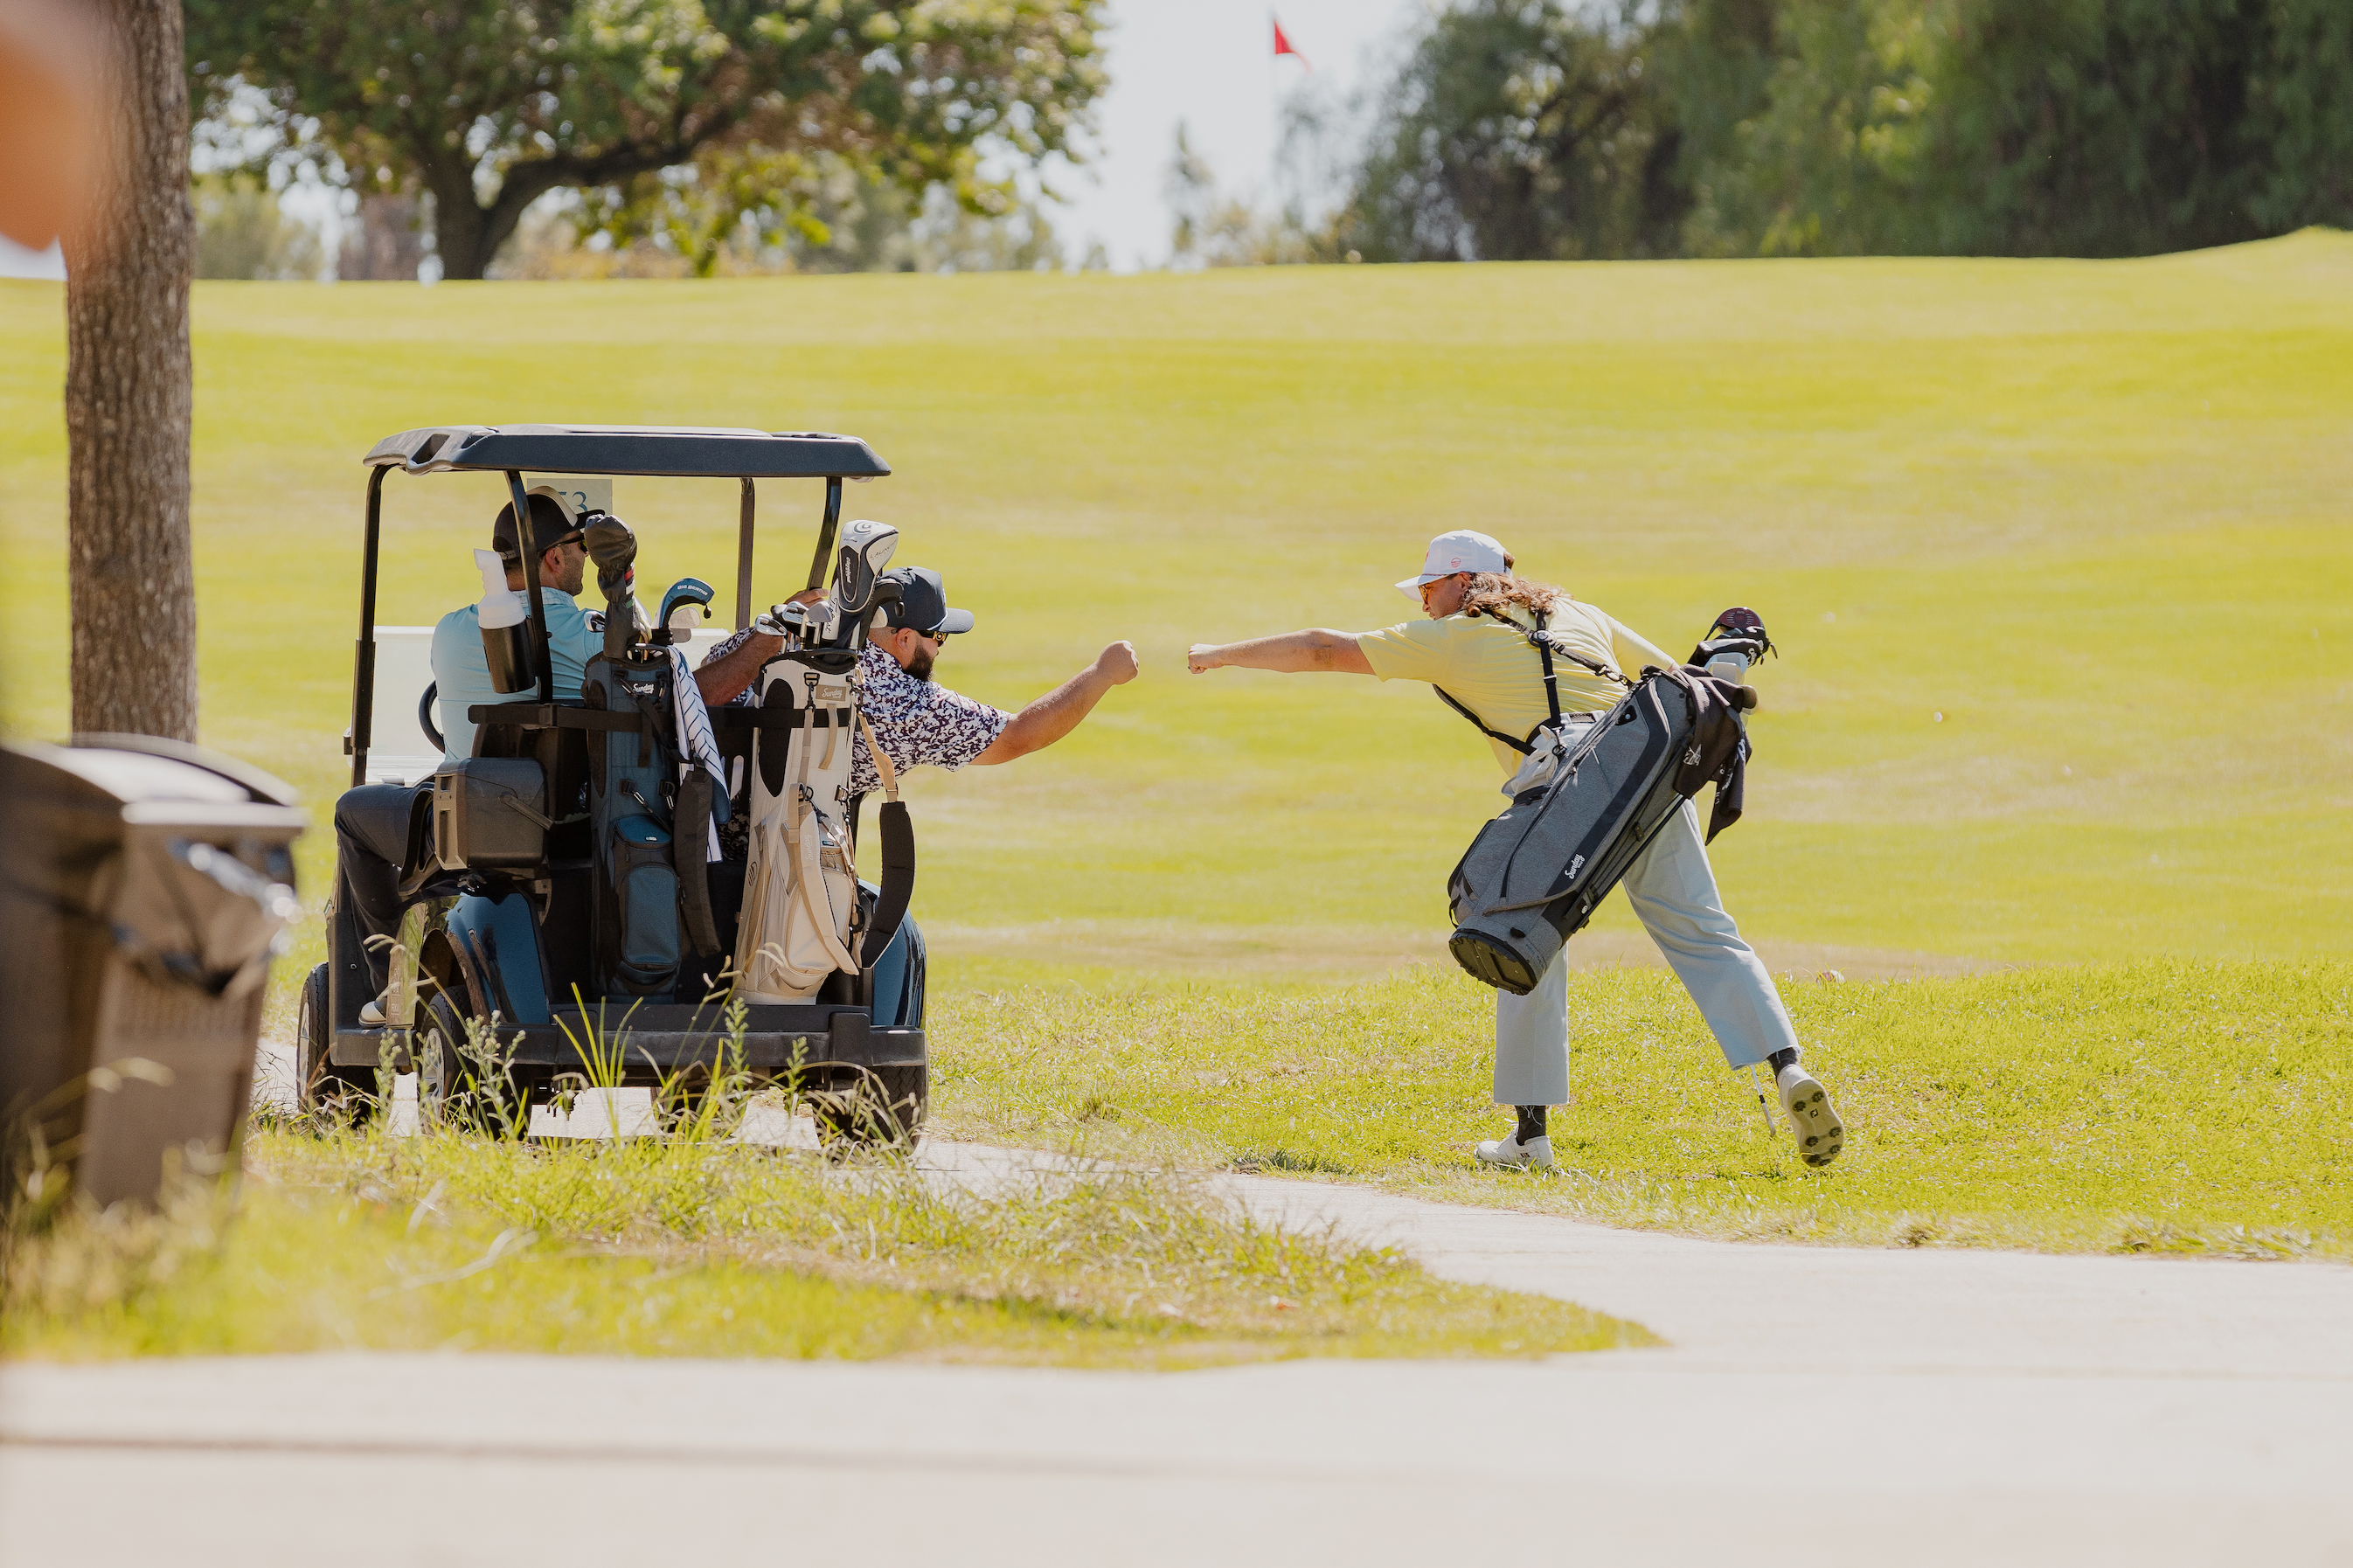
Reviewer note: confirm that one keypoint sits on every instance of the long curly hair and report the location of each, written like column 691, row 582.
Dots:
column 1497, row 594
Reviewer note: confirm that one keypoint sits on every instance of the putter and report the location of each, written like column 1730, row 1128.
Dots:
column 678, row 604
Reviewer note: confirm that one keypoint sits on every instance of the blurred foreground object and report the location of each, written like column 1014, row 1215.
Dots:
column 49, row 117
column 145, row 885
column 129, row 258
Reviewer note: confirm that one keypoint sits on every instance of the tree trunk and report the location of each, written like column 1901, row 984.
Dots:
column 467, row 235
column 128, row 397
column 458, row 226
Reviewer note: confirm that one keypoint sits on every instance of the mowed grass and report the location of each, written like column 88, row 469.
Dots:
column 2093, row 514
column 2161, row 1106
column 2055, row 550
column 360, row 1241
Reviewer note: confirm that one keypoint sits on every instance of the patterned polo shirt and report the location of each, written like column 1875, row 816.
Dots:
column 920, row 723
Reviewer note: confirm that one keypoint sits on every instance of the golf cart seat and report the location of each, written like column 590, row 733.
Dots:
column 422, row 875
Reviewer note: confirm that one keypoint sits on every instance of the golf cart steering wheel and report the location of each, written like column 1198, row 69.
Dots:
column 425, row 705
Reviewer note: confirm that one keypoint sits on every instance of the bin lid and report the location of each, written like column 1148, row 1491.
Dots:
column 131, row 776
column 149, row 780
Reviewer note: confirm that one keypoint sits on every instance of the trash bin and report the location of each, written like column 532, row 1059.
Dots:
column 145, row 885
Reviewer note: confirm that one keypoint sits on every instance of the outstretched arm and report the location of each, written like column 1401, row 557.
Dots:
column 1058, row 712
column 1292, row 653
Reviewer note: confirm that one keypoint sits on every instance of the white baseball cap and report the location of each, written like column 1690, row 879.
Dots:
column 1464, row 550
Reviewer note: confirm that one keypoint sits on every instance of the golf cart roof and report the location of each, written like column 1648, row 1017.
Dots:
column 628, row 449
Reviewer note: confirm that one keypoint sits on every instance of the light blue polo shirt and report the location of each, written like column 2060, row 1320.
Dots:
column 575, row 636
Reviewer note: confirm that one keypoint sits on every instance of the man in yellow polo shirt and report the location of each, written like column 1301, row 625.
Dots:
column 1473, row 649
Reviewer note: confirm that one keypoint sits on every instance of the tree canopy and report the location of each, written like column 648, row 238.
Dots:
column 488, row 106
column 1534, row 128
column 1519, row 131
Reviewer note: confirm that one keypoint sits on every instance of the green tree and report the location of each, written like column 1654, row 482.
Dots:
column 2301, row 101
column 487, row 106
column 1520, row 129
column 2036, row 127
column 1827, row 154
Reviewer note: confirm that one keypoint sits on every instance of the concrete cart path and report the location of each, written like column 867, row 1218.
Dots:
column 1817, row 1405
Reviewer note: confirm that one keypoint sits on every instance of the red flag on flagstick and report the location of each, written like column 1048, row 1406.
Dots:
column 1282, row 46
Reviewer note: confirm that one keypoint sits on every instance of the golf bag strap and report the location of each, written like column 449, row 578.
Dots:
column 1542, row 641
column 1522, row 747
column 882, row 763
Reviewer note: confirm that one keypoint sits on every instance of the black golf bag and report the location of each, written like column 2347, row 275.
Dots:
column 1535, row 875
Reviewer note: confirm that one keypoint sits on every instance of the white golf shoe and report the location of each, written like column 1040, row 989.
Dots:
column 1813, row 1122
column 372, row 1012
column 1535, row 1154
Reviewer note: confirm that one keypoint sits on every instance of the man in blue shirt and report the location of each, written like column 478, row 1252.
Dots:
column 575, row 636
column 372, row 821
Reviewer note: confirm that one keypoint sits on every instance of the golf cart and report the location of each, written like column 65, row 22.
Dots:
column 556, row 888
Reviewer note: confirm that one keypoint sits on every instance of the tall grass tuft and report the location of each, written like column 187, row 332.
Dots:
column 695, row 1241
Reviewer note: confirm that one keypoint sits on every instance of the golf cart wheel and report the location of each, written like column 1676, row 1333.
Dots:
column 438, row 1045
column 467, row 1101
column 882, row 1108
column 321, row 1087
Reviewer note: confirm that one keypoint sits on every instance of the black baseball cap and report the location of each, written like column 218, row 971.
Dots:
column 551, row 523
column 923, row 604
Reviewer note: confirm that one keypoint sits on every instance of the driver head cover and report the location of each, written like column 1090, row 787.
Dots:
column 1464, row 550
column 923, row 604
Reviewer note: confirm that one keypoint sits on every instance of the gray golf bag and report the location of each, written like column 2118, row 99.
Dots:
column 1533, row 876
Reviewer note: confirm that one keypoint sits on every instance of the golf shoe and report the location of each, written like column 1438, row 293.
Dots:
column 1813, row 1122
column 1536, row 1152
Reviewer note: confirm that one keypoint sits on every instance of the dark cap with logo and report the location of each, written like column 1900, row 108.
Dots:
column 923, row 604
column 551, row 523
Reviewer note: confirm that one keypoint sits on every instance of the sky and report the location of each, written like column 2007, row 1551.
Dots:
column 1210, row 64
column 1207, row 63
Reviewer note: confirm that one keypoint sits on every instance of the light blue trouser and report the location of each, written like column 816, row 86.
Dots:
column 1673, row 891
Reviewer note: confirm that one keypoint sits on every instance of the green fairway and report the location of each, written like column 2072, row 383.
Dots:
column 2151, row 1106
column 2092, row 513
column 2055, row 552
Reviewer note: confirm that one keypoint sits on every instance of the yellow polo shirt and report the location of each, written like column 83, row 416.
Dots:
column 1491, row 669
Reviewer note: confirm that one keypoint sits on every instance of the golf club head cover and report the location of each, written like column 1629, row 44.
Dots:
column 867, row 547
column 1740, row 622
column 614, row 549
column 1750, row 648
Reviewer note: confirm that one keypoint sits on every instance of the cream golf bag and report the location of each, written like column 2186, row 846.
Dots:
column 800, row 884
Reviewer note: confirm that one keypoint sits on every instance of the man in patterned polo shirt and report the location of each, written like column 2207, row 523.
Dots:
column 919, row 721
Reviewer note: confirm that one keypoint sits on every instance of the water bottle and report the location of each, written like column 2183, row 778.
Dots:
column 506, row 628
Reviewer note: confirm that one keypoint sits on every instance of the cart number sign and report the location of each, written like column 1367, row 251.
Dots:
column 581, row 492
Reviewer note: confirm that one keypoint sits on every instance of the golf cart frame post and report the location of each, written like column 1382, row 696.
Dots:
column 619, row 451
